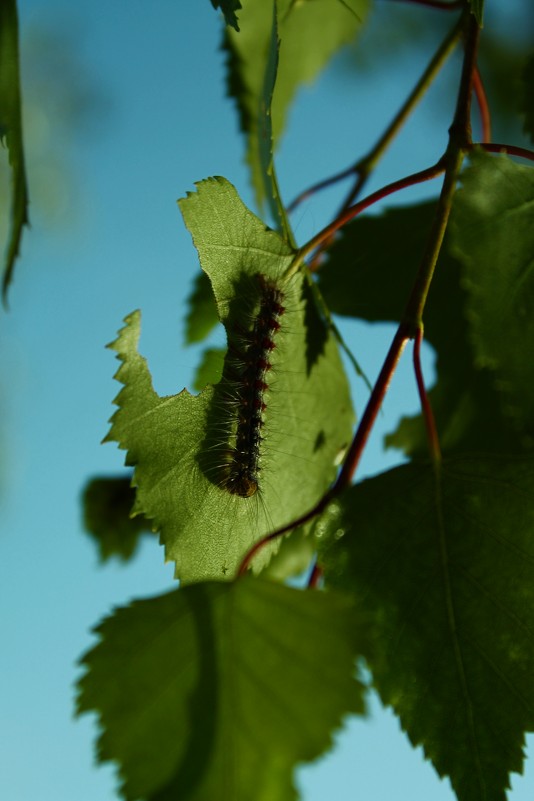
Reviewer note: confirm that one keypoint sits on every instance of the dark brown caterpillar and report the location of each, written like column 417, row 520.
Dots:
column 250, row 364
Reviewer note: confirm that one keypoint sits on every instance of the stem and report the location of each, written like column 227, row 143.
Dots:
column 426, row 408
column 353, row 211
column 315, row 577
column 368, row 163
column 511, row 150
column 443, row 5
column 411, row 324
column 413, row 314
column 483, row 106
column 371, row 410
column 354, row 453
column 459, row 143
column 364, row 166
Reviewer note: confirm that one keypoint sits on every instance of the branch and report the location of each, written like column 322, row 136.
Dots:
column 411, row 322
column 364, row 166
column 442, row 5
column 353, row 211
column 483, row 106
column 426, row 408
column 510, row 150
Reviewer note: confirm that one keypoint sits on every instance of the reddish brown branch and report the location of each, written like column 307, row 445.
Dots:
column 364, row 166
column 374, row 403
column 353, row 211
column 320, row 185
column 483, row 106
column 354, row 453
column 315, row 577
column 510, row 150
column 426, row 408
column 442, row 5
column 410, row 326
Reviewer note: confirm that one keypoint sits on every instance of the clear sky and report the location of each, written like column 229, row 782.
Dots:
column 106, row 239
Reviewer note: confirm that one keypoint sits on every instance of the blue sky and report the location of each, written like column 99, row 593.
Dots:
column 117, row 243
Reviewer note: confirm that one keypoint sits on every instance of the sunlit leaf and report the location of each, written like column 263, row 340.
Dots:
column 216, row 691
column 180, row 445
column 493, row 236
column 11, row 133
column 445, row 566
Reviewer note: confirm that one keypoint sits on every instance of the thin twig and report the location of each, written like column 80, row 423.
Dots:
column 510, row 150
column 426, row 408
column 353, row 211
column 442, row 5
column 483, row 106
column 411, row 323
column 364, row 166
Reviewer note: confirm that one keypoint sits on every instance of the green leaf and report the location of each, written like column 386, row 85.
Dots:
column 310, row 32
column 210, row 368
column 257, row 122
column 493, row 236
column 216, row 691
column 229, row 9
column 445, row 566
column 202, row 312
column 297, row 550
column 528, row 97
column 180, row 444
column 11, row 133
column 375, row 286
column 107, row 503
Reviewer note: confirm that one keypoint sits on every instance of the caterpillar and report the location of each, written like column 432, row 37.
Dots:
column 246, row 388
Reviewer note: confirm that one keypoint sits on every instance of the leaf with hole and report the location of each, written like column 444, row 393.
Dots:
column 184, row 446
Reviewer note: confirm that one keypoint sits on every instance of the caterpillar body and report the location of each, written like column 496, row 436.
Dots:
column 246, row 388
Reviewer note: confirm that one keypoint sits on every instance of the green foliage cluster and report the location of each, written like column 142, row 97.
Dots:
column 218, row 689
column 427, row 568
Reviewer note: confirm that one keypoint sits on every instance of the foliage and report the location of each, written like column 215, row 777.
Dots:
column 11, row 132
column 211, row 690
column 449, row 588
column 425, row 572
column 434, row 559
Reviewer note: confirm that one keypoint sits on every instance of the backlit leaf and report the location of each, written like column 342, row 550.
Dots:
column 445, row 566
column 493, row 237
column 179, row 445
column 216, row 691
column 366, row 277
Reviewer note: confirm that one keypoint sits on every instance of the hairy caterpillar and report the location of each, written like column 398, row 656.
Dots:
column 233, row 462
column 247, row 373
